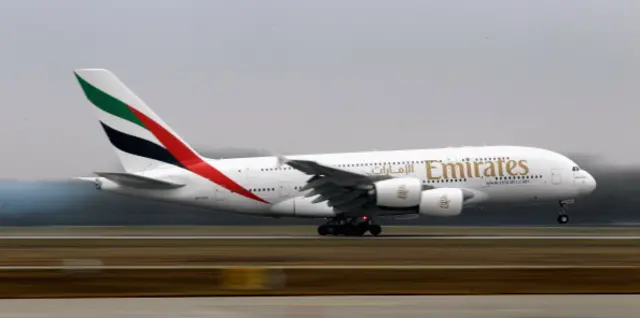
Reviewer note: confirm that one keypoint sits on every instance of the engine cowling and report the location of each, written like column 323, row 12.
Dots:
column 398, row 192
column 442, row 202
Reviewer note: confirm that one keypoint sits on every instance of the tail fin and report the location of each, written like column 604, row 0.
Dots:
column 140, row 138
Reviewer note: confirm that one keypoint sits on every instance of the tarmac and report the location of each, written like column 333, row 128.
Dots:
column 309, row 233
column 600, row 259
column 183, row 247
column 524, row 306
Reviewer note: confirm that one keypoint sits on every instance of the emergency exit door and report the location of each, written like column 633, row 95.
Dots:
column 555, row 177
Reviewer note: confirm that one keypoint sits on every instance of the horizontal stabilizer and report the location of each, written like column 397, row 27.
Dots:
column 138, row 181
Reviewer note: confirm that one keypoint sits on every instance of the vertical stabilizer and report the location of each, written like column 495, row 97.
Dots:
column 142, row 140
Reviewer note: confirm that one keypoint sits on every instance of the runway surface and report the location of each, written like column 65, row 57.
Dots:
column 315, row 237
column 555, row 306
column 321, row 267
column 293, row 250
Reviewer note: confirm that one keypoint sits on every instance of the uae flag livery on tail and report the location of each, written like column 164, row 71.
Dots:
column 140, row 138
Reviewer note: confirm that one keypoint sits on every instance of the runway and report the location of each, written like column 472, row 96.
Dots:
column 308, row 267
column 309, row 233
column 317, row 237
column 126, row 262
column 308, row 249
column 555, row 306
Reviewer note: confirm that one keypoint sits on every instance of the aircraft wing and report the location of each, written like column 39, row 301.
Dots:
column 346, row 191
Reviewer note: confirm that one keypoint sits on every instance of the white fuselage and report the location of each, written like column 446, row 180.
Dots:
column 494, row 174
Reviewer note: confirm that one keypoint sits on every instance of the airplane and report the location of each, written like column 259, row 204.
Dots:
column 351, row 191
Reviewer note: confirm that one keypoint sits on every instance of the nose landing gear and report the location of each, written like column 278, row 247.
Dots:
column 563, row 216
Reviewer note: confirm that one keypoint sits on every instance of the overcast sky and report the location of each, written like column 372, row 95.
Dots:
column 297, row 76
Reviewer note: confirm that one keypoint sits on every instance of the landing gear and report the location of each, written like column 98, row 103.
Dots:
column 563, row 218
column 349, row 227
column 323, row 229
column 375, row 229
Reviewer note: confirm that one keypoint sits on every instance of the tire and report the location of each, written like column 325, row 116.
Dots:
column 375, row 229
column 323, row 230
column 563, row 219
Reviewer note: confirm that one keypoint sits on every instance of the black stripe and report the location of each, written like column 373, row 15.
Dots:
column 139, row 147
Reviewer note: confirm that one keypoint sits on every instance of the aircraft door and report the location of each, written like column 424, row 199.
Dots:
column 555, row 176
column 283, row 189
column 250, row 174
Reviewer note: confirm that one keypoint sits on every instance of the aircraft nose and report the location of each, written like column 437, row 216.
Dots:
column 589, row 183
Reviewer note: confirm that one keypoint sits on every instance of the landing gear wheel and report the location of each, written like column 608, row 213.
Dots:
column 323, row 230
column 563, row 218
column 354, row 230
column 375, row 229
column 362, row 229
column 351, row 226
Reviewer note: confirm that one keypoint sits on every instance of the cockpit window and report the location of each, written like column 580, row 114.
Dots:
column 575, row 168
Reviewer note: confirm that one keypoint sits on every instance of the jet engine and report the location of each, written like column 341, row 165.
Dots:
column 398, row 192
column 442, row 202
column 403, row 193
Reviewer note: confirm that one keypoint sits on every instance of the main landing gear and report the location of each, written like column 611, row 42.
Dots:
column 563, row 217
column 356, row 226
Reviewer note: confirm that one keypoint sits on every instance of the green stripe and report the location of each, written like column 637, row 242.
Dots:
column 108, row 103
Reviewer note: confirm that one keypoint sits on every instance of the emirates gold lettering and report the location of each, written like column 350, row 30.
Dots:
column 469, row 166
column 436, row 169
column 500, row 167
column 453, row 170
column 525, row 167
column 490, row 171
column 512, row 164
column 476, row 166
column 430, row 167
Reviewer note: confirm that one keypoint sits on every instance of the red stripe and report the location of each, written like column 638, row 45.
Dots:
column 190, row 159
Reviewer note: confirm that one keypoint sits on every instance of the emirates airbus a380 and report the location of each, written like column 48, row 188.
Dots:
column 350, row 190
